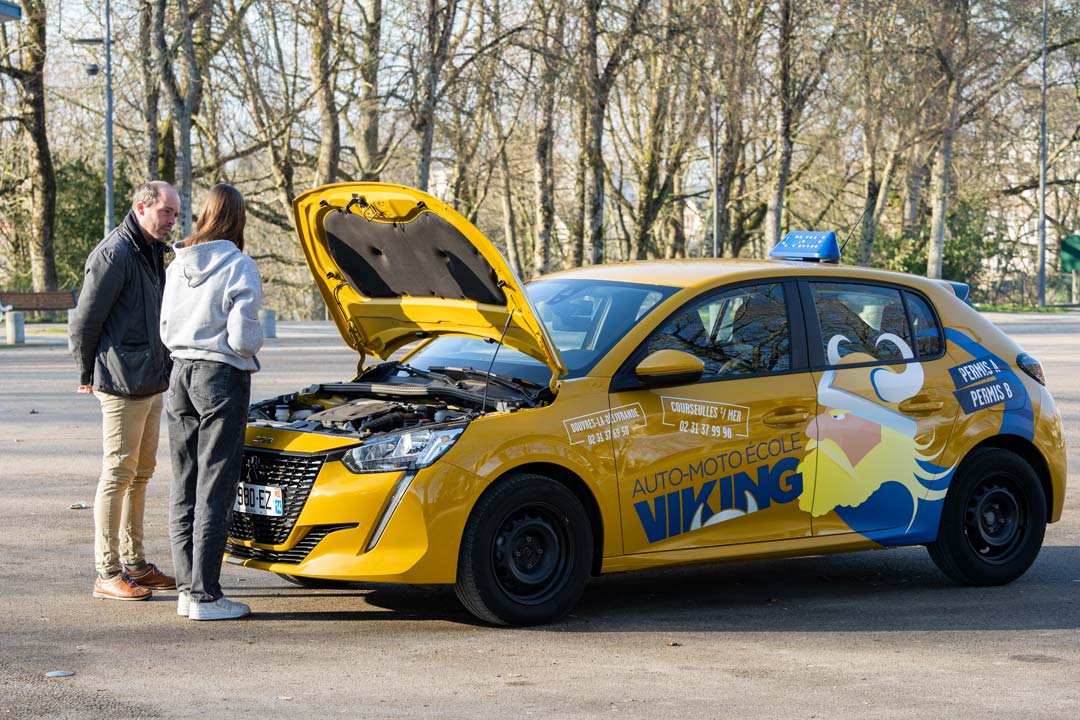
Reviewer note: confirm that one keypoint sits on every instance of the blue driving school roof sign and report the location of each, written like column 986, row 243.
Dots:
column 810, row 246
column 9, row 11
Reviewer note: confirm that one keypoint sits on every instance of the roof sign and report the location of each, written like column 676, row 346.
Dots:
column 809, row 246
column 9, row 11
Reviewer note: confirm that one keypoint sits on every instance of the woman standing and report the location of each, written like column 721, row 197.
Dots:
column 210, row 324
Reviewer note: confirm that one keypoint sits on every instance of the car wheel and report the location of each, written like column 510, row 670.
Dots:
column 993, row 520
column 526, row 552
column 314, row 583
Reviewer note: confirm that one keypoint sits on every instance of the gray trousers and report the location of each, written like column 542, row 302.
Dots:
column 206, row 411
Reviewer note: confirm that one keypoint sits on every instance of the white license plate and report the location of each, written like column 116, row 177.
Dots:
column 259, row 500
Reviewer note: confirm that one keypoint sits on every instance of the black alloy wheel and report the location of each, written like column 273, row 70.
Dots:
column 993, row 520
column 526, row 552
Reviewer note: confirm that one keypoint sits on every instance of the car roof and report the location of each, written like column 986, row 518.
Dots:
column 689, row 273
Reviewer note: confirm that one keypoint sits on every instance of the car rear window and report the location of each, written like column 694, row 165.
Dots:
column 927, row 329
column 865, row 319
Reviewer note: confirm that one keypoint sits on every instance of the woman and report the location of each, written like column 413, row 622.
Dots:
column 210, row 324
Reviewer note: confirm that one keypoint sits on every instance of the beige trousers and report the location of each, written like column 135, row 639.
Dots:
column 129, row 429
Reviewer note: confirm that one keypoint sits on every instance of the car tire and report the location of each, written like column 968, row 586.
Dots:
column 993, row 520
column 314, row 583
column 526, row 552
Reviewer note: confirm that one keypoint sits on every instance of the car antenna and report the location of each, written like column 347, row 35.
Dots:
column 487, row 377
column 852, row 231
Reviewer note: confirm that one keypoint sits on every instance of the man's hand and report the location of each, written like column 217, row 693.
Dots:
column 85, row 390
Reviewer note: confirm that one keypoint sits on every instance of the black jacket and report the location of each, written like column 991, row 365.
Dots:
column 114, row 328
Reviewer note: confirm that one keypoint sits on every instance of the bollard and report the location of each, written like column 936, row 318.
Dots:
column 1076, row 287
column 13, row 321
column 269, row 323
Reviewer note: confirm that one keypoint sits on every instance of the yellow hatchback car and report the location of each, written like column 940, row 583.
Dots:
column 642, row 415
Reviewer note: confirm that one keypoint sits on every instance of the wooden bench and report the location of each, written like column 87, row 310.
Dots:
column 36, row 301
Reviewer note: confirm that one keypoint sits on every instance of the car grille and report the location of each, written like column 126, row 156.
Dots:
column 295, row 555
column 294, row 474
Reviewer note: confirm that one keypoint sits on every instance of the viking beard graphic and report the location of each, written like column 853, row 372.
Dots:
column 862, row 443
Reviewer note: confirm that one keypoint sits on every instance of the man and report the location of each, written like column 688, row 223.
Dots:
column 121, row 361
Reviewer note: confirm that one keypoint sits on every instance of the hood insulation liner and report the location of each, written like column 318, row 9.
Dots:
column 427, row 257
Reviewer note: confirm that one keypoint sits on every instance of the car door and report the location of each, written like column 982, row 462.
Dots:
column 886, row 411
column 717, row 460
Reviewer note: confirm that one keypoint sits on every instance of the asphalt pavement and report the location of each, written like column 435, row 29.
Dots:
column 874, row 634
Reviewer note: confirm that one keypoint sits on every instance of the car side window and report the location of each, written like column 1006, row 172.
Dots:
column 865, row 319
column 925, row 325
column 741, row 331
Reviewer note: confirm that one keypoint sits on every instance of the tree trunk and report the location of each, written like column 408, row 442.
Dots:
column 675, row 237
column 653, row 189
column 42, row 175
column 439, row 28
column 151, row 87
column 544, row 155
column 577, row 217
column 597, row 90
column 784, row 145
column 939, row 189
column 876, row 197
column 372, row 157
column 917, row 174
column 193, row 48
column 326, row 167
column 939, row 181
column 509, row 224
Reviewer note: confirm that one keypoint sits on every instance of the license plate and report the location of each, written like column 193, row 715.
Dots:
column 259, row 500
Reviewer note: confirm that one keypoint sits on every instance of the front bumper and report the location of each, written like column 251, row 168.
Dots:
column 379, row 527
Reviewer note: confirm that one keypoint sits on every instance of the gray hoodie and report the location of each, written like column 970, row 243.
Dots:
column 211, row 306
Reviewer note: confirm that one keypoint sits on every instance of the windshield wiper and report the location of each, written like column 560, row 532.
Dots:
column 384, row 372
column 520, row 385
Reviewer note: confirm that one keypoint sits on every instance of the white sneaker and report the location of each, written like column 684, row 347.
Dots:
column 183, row 604
column 220, row 609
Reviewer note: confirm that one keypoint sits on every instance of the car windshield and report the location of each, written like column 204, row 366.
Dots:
column 584, row 318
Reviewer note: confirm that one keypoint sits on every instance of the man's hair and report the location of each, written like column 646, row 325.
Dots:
column 222, row 218
column 148, row 192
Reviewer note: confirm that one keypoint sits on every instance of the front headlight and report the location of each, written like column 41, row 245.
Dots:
column 404, row 451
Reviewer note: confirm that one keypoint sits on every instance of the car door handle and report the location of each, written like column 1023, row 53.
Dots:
column 787, row 416
column 921, row 404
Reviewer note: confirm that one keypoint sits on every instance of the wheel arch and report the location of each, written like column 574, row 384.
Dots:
column 1026, row 450
column 581, row 490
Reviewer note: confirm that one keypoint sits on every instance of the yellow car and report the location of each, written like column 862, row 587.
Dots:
column 643, row 415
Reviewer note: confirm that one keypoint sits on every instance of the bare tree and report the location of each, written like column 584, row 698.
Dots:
column 185, row 92
column 372, row 155
column 796, row 83
column 550, row 48
column 323, row 77
column 598, row 82
column 29, row 75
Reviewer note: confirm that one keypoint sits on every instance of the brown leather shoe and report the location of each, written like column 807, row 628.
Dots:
column 119, row 587
column 153, row 579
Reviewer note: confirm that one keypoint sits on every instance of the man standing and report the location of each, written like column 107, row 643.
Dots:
column 121, row 360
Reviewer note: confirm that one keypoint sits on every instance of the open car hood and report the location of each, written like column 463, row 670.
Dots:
column 396, row 265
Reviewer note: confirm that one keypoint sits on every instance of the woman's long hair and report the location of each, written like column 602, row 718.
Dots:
column 222, row 218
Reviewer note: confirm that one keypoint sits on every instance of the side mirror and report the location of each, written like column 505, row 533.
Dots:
column 669, row 367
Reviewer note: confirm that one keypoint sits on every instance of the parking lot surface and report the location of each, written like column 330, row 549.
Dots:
column 880, row 634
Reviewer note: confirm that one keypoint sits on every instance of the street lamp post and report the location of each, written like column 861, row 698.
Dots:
column 109, row 212
column 92, row 70
column 1042, row 171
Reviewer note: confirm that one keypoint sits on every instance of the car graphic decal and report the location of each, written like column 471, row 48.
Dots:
column 721, row 487
column 866, row 462
column 604, row 425
column 1004, row 387
column 706, row 418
